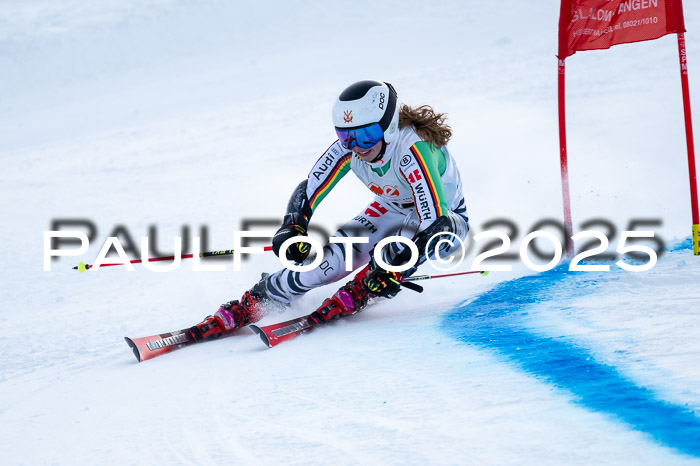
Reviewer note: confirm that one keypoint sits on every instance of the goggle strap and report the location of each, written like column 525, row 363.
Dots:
column 390, row 108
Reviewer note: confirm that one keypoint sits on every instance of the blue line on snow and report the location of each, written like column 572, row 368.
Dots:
column 494, row 321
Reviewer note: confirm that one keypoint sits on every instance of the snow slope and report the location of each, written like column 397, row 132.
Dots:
column 205, row 113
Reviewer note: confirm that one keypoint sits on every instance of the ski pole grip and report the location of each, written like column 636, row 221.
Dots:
column 412, row 286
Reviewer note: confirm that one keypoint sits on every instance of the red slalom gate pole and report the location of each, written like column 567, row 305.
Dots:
column 563, row 160
column 82, row 267
column 689, row 140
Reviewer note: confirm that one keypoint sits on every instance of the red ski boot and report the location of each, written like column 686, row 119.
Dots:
column 234, row 314
column 351, row 298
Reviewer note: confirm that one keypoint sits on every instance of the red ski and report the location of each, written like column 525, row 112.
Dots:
column 274, row 334
column 155, row 345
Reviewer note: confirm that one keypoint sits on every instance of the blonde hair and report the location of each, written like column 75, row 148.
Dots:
column 430, row 126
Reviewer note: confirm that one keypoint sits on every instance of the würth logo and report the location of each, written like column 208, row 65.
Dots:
column 348, row 116
column 380, row 210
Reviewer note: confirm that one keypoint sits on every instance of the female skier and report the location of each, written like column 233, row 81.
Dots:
column 399, row 153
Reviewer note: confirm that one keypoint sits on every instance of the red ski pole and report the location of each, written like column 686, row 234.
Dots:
column 82, row 267
column 442, row 275
column 408, row 281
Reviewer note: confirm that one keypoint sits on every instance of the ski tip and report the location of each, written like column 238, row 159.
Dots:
column 262, row 335
column 133, row 347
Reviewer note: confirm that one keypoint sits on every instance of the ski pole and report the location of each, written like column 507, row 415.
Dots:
column 408, row 281
column 442, row 275
column 82, row 267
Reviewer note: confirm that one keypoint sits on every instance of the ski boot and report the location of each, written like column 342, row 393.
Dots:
column 235, row 314
column 350, row 299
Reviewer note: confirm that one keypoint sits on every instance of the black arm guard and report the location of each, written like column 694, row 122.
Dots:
column 441, row 225
column 295, row 223
column 298, row 208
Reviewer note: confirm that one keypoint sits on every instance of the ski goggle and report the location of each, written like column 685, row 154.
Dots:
column 364, row 137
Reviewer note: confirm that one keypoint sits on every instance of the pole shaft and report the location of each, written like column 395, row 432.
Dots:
column 226, row 252
column 682, row 54
column 563, row 160
column 442, row 275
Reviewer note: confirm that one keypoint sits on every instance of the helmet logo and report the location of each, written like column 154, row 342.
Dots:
column 347, row 118
column 381, row 101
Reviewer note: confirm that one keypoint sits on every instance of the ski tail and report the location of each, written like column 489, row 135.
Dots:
column 149, row 347
column 274, row 334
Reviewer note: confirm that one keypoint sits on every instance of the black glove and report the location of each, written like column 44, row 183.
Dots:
column 381, row 282
column 294, row 225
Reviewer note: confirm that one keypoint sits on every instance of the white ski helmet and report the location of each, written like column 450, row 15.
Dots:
column 366, row 112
